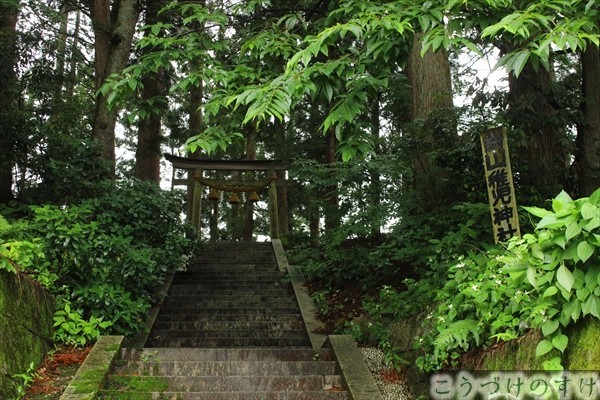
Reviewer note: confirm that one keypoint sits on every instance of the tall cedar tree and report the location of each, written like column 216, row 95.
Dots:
column 114, row 27
column 149, row 139
column 8, row 100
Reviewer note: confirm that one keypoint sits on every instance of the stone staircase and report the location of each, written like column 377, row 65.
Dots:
column 229, row 328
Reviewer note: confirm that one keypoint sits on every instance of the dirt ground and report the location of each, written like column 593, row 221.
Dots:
column 53, row 376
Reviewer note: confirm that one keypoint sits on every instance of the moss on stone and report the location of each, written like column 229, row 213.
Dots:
column 91, row 375
column 115, row 395
column 139, row 383
column 516, row 355
column 85, row 386
column 26, row 318
column 583, row 351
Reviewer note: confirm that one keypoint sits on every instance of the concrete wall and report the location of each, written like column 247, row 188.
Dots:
column 26, row 312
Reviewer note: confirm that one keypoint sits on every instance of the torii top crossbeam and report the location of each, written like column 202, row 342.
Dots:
column 226, row 165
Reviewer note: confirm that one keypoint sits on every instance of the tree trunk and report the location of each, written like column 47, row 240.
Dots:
column 282, row 206
column 587, row 152
column 374, row 189
column 147, row 156
column 113, row 33
column 332, row 214
column 75, row 55
column 249, row 206
column 196, row 124
column 8, row 103
column 430, row 96
column 61, row 55
column 314, row 224
column 236, row 224
column 541, row 161
column 213, row 224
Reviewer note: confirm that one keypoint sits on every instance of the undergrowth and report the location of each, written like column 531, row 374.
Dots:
column 103, row 258
column 473, row 294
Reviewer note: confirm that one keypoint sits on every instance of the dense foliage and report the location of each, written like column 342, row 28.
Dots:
column 104, row 258
column 545, row 281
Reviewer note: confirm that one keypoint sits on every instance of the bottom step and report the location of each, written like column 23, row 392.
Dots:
column 322, row 395
column 221, row 383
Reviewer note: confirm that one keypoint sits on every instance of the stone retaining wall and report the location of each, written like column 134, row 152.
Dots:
column 26, row 311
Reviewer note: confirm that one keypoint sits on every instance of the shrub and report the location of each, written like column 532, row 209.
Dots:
column 105, row 257
column 546, row 280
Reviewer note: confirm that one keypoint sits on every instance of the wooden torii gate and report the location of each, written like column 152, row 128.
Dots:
column 198, row 166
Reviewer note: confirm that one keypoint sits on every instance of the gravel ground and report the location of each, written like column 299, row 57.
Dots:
column 392, row 385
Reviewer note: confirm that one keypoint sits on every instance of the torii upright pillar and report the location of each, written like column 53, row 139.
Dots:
column 273, row 207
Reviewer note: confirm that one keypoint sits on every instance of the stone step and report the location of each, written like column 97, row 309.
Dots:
column 252, row 270
column 227, row 354
column 220, row 342
column 288, row 324
column 232, row 286
column 193, row 317
column 223, row 383
column 226, row 296
column 226, row 368
column 228, row 279
column 194, row 290
column 224, row 293
column 332, row 394
column 284, row 302
column 233, row 310
column 249, row 261
column 234, row 333
column 234, row 251
column 238, row 245
column 245, row 257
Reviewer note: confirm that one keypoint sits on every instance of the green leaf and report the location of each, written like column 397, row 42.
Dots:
column 591, row 306
column 592, row 224
column 564, row 198
column 549, row 327
column 571, row 312
column 589, row 211
column 591, row 278
column 551, row 291
column 348, row 153
column 565, row 278
column 132, row 82
column 531, row 276
column 573, row 229
column 519, row 61
column 537, row 211
column 560, row 342
column 356, row 30
column 595, row 197
column 543, row 347
column 548, row 221
column 560, row 240
column 536, row 251
column 328, row 89
column 554, row 364
column 571, row 253
column 585, row 250
column 583, row 293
